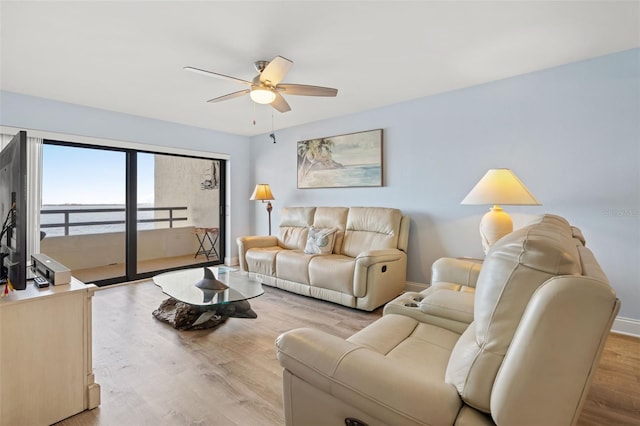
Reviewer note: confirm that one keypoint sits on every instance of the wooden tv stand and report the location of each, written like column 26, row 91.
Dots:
column 46, row 372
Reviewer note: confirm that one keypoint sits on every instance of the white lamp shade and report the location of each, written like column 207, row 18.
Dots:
column 262, row 192
column 500, row 186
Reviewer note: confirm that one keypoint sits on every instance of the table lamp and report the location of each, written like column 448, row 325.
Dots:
column 498, row 186
column 263, row 193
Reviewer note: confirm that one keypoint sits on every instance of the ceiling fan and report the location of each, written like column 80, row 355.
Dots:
column 265, row 87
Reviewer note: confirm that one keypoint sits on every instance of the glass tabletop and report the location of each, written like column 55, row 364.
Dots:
column 181, row 285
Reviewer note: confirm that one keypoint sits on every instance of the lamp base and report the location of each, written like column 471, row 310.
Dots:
column 494, row 225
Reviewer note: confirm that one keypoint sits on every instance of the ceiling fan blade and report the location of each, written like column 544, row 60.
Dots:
column 217, row 75
column 280, row 104
column 306, row 90
column 276, row 70
column 229, row 96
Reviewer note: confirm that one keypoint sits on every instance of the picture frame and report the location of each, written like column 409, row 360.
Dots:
column 341, row 161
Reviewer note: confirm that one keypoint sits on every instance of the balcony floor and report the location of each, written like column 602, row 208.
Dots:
column 89, row 275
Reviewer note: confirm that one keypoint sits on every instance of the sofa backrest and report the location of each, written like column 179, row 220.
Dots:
column 294, row 226
column 334, row 218
column 514, row 268
column 545, row 376
column 371, row 228
column 358, row 228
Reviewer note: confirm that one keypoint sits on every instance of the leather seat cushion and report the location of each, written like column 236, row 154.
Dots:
column 293, row 265
column 421, row 347
column 333, row 272
column 262, row 260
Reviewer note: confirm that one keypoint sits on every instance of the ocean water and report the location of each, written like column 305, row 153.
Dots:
column 95, row 217
column 353, row 175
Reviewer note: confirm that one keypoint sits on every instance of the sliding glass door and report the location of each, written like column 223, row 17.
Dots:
column 82, row 219
column 114, row 215
column 178, row 212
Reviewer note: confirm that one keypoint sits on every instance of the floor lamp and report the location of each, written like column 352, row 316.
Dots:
column 263, row 193
column 498, row 186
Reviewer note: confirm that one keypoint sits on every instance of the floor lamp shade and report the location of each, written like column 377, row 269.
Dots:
column 262, row 192
column 498, row 186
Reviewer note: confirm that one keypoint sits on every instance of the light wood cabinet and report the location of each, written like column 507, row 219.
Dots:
column 46, row 371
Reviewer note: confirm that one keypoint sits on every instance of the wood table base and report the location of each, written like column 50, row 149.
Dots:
column 183, row 316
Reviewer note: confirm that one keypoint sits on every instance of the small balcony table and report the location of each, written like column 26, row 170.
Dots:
column 207, row 237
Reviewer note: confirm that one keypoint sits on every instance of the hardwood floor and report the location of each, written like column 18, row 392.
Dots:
column 152, row 374
column 614, row 397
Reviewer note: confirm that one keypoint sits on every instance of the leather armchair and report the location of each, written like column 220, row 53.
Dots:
column 541, row 314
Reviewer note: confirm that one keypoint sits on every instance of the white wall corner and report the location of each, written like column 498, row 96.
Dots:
column 628, row 326
column 413, row 286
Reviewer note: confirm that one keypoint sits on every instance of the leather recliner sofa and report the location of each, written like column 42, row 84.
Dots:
column 541, row 314
column 364, row 265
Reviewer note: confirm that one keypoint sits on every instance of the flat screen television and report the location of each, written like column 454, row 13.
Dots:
column 13, row 211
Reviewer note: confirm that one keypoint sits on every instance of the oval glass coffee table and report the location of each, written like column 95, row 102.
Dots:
column 195, row 302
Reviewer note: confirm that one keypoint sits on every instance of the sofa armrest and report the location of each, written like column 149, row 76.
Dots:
column 373, row 257
column 438, row 305
column 463, row 272
column 453, row 305
column 254, row 241
column 365, row 379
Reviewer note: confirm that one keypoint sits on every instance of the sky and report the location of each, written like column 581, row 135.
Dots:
column 72, row 175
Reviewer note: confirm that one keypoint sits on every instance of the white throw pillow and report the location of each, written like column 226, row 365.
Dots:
column 320, row 240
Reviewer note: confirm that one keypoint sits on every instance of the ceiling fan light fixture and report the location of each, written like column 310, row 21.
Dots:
column 262, row 95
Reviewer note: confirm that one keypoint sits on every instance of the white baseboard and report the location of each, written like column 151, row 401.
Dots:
column 621, row 325
column 232, row 261
column 628, row 326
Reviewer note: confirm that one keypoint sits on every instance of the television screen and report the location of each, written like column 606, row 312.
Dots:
column 13, row 211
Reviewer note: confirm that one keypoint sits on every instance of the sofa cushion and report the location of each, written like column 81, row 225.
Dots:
column 371, row 228
column 293, row 265
column 294, row 226
column 333, row 271
column 262, row 260
column 320, row 240
column 422, row 348
column 513, row 269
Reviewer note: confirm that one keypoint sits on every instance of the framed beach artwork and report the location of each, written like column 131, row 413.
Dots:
column 352, row 160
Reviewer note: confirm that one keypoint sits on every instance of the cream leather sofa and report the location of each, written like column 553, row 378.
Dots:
column 365, row 268
column 542, row 311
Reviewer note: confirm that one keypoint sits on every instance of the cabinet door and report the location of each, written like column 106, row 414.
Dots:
column 43, row 350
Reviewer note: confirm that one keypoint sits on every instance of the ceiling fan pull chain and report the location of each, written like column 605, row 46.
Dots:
column 272, row 135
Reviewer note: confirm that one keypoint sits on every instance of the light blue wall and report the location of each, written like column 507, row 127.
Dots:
column 572, row 135
column 32, row 113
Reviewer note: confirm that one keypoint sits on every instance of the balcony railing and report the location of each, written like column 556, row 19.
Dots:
column 66, row 224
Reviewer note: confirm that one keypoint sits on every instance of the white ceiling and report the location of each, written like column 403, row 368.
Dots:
column 128, row 56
